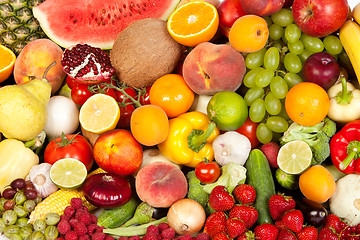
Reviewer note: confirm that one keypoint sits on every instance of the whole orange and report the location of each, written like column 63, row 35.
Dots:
column 317, row 184
column 249, row 33
column 307, row 103
column 172, row 94
column 149, row 125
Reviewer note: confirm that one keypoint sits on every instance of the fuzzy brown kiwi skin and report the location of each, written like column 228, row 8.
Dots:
column 143, row 52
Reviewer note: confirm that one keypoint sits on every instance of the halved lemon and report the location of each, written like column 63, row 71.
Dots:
column 68, row 173
column 294, row 157
column 99, row 113
column 193, row 23
column 7, row 61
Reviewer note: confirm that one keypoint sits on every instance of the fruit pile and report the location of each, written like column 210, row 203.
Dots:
column 179, row 119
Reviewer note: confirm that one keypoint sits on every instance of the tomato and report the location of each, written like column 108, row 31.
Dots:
column 125, row 114
column 122, row 98
column 207, row 171
column 80, row 93
column 101, row 88
column 71, row 82
column 143, row 96
column 70, row 146
column 248, row 129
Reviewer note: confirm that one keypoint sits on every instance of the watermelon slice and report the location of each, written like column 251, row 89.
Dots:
column 95, row 22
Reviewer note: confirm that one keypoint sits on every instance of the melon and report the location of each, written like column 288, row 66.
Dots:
column 95, row 22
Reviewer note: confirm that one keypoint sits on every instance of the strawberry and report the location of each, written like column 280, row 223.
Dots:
column 244, row 193
column 234, row 227
column 247, row 235
column 326, row 233
column 285, row 234
column 221, row 236
column 334, row 222
column 266, row 231
column 279, row 204
column 292, row 220
column 308, row 233
column 215, row 223
column 220, row 199
column 247, row 213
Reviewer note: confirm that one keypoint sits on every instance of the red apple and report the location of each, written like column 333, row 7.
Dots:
column 321, row 68
column 229, row 11
column 262, row 7
column 117, row 151
column 319, row 18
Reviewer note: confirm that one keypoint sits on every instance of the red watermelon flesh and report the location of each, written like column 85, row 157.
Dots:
column 95, row 22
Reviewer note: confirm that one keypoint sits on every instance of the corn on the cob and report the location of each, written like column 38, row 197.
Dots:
column 59, row 200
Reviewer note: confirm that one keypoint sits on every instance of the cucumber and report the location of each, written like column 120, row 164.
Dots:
column 260, row 177
column 115, row 217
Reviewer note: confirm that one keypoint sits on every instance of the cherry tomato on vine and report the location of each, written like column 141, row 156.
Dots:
column 122, row 98
column 105, row 90
column 207, row 171
column 248, row 129
column 80, row 93
column 144, row 97
column 125, row 115
column 71, row 82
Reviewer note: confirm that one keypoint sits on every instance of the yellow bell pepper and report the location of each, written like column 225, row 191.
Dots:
column 16, row 160
column 190, row 139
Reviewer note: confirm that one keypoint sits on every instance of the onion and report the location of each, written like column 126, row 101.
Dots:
column 63, row 117
column 186, row 216
column 107, row 190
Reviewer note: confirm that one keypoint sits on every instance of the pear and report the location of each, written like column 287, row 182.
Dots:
column 23, row 113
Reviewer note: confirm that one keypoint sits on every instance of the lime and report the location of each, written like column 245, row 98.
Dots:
column 294, row 157
column 286, row 180
column 68, row 173
column 228, row 110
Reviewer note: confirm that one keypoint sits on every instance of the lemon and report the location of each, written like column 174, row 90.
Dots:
column 294, row 157
column 68, row 173
column 99, row 113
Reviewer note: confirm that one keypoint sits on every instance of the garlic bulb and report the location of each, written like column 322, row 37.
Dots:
column 39, row 175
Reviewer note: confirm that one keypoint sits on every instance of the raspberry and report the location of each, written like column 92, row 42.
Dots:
column 60, row 238
column 108, row 237
column 73, row 222
column 202, row 236
column 150, row 236
column 82, row 216
column 162, row 226
column 98, row 236
column 76, row 203
column 71, row 235
column 80, row 228
column 134, row 238
column 69, row 211
column 91, row 228
column 63, row 227
column 93, row 218
column 84, row 237
column 152, row 229
column 99, row 229
column 125, row 238
column 186, row 237
column 64, row 217
column 168, row 233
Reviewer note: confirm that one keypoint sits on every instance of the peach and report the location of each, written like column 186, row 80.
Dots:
column 262, row 7
column 35, row 58
column 160, row 184
column 210, row 68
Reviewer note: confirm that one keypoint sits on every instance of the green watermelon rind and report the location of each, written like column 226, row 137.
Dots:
column 61, row 38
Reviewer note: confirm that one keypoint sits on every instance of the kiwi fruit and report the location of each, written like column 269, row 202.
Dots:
column 143, row 52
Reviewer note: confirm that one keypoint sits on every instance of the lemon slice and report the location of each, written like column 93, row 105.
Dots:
column 99, row 113
column 294, row 157
column 68, row 173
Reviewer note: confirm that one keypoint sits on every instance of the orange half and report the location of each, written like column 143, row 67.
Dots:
column 7, row 61
column 193, row 23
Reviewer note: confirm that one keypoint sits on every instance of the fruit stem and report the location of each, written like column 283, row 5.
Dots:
column 137, row 103
column 133, row 230
column 47, row 69
column 197, row 138
column 344, row 96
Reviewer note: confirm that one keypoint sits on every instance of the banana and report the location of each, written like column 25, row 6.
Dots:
column 350, row 39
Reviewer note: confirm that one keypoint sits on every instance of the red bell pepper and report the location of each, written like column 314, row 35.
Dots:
column 345, row 148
